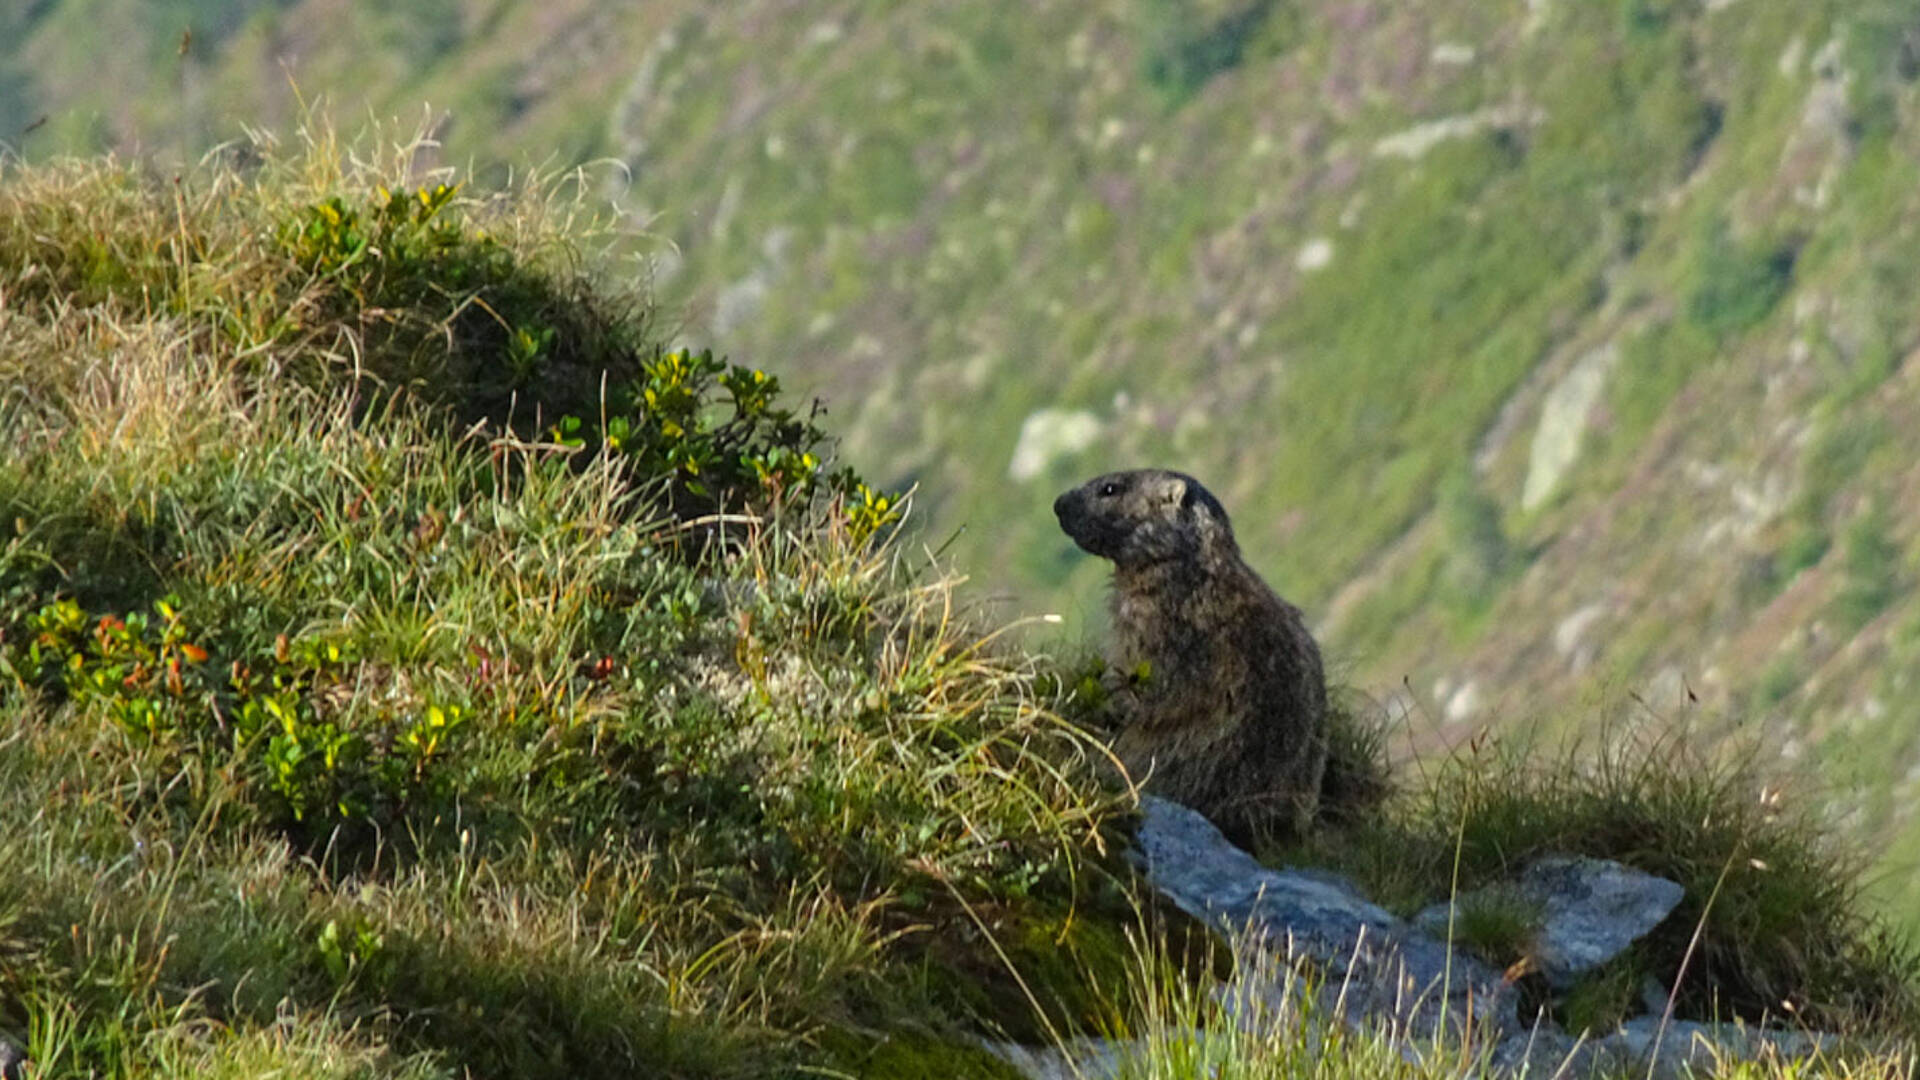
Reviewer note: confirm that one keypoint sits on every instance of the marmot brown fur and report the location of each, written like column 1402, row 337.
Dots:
column 1216, row 680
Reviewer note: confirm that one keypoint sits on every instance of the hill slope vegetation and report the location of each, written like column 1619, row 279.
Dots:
column 1541, row 349
column 370, row 712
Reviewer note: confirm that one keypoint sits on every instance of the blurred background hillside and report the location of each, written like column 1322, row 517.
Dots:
column 1553, row 355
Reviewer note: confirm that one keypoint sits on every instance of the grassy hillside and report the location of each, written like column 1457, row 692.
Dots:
column 357, row 724
column 411, row 668
column 1544, row 351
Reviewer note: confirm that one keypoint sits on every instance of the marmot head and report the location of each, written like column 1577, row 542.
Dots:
column 1144, row 516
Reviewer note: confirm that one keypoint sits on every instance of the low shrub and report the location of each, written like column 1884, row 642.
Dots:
column 1785, row 933
column 357, row 672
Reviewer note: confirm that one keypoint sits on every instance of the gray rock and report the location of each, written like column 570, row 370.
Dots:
column 1639, row 1048
column 13, row 1060
column 1188, row 861
column 1688, row 1046
column 1373, row 972
column 1594, row 909
column 1548, row 1053
column 1564, row 417
column 1653, row 995
column 1376, row 971
column 1082, row 1059
column 1591, row 909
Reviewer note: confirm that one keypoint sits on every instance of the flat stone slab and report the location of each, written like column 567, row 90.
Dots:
column 1383, row 976
column 1689, row 1047
column 1375, row 968
column 1591, row 910
column 13, row 1060
column 1639, row 1047
column 1082, row 1059
column 1188, row 861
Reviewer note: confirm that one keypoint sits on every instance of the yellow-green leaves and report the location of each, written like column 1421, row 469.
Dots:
column 721, row 436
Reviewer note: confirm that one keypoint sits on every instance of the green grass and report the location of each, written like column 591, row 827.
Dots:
column 383, row 698
column 1275, row 1025
column 1498, row 925
column 942, row 258
column 357, row 725
column 1786, row 931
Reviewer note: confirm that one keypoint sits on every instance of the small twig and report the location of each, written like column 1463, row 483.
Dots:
column 719, row 519
column 1679, row 977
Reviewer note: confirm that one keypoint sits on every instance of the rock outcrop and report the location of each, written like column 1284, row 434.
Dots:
column 1590, row 909
column 1396, row 979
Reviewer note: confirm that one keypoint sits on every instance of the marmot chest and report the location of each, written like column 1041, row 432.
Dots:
column 1176, row 638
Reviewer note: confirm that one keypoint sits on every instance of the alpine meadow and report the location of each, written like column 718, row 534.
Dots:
column 527, row 549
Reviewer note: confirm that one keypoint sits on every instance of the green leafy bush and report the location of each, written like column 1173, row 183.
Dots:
column 436, row 301
column 315, row 765
column 1736, row 284
column 460, row 301
column 715, row 451
column 717, row 436
column 346, row 678
column 1871, row 560
column 1478, row 551
column 1804, row 548
column 1185, row 52
column 1775, row 898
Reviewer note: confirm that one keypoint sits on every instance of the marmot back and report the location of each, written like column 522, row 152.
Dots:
column 1217, row 680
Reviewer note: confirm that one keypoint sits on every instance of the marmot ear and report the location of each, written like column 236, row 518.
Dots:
column 1198, row 505
column 1175, row 491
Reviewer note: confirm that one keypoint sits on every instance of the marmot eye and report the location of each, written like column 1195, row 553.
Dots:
column 1109, row 489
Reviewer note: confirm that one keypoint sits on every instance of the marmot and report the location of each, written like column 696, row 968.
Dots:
column 1216, row 680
